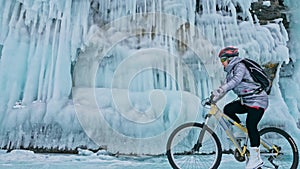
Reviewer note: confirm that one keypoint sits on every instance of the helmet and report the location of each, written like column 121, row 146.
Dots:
column 229, row 52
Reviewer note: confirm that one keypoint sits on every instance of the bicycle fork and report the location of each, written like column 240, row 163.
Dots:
column 200, row 139
column 201, row 134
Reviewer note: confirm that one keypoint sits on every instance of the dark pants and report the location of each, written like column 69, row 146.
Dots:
column 253, row 117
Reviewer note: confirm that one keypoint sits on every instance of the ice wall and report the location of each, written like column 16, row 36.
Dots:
column 60, row 62
column 292, row 80
column 40, row 41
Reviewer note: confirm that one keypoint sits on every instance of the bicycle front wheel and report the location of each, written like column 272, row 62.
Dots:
column 278, row 149
column 184, row 150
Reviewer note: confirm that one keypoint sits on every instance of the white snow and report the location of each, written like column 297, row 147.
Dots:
column 267, row 3
column 29, row 160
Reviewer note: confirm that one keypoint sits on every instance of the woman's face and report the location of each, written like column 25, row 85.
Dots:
column 225, row 63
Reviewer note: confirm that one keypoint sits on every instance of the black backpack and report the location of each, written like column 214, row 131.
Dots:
column 258, row 74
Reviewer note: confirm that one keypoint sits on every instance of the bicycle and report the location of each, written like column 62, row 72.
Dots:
column 196, row 145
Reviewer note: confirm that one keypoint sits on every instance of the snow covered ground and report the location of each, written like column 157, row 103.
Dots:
column 21, row 159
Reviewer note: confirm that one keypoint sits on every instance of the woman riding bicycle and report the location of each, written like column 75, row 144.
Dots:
column 252, row 101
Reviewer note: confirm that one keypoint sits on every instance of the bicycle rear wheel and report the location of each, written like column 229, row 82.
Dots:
column 181, row 151
column 281, row 150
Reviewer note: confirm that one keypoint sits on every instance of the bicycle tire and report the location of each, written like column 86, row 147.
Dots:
column 289, row 151
column 185, row 136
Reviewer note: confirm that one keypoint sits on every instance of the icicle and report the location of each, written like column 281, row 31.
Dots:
column 134, row 9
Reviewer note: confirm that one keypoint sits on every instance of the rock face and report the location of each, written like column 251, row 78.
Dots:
column 267, row 12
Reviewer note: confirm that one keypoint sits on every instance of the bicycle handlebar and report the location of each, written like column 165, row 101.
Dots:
column 206, row 102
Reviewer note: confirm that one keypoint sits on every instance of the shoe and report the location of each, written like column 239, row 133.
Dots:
column 254, row 161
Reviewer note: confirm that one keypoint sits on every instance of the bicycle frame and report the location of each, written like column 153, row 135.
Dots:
column 224, row 121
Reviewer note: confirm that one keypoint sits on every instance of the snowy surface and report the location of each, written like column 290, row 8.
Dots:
column 28, row 160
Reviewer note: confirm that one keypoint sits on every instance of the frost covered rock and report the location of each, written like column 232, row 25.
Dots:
column 268, row 11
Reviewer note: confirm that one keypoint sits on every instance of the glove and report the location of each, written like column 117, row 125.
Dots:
column 217, row 94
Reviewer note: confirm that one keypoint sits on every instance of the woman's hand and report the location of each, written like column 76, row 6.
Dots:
column 217, row 94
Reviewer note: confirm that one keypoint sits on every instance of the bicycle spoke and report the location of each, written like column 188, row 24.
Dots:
column 185, row 152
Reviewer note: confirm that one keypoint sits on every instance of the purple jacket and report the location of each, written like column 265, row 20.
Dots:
column 236, row 72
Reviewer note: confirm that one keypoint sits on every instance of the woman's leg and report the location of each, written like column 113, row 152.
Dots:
column 233, row 108
column 253, row 117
